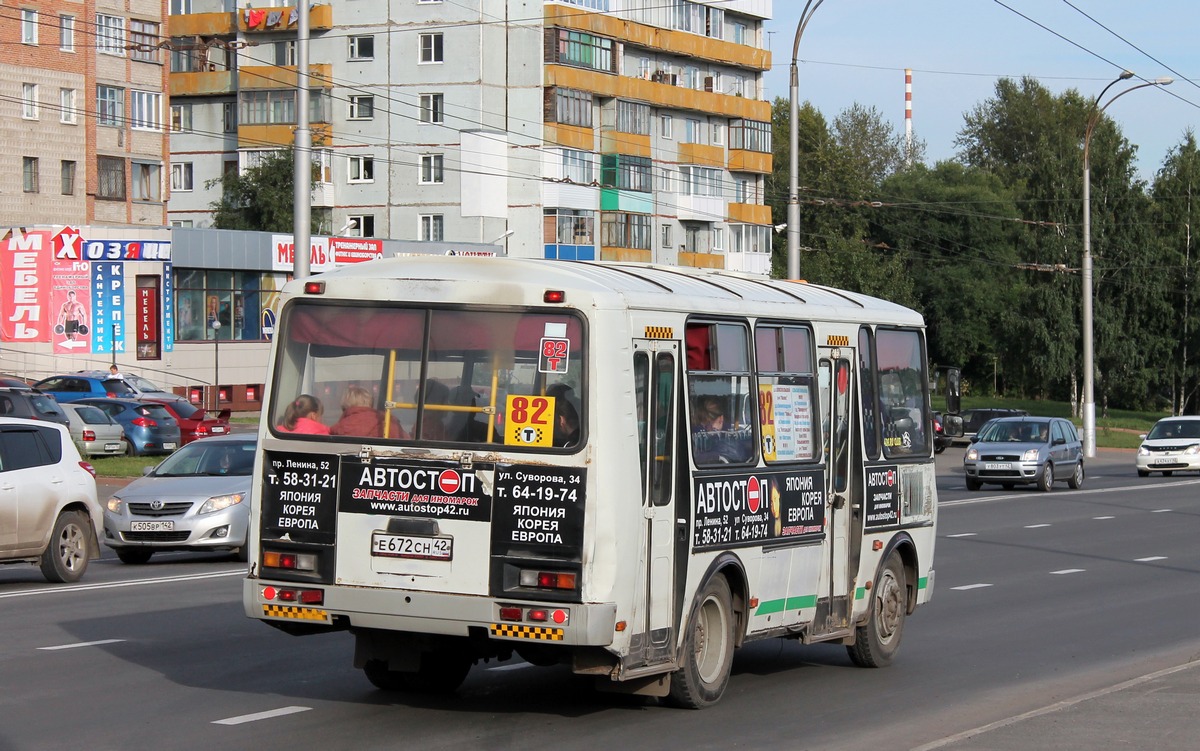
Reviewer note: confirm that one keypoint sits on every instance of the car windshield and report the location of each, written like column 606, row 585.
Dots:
column 1169, row 429
column 1003, row 431
column 45, row 404
column 201, row 459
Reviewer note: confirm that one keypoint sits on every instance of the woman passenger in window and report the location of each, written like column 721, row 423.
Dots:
column 359, row 417
column 304, row 416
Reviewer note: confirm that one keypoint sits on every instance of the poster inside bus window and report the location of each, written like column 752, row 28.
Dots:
column 787, row 426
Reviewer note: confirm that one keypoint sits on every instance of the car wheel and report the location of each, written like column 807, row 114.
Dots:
column 973, row 484
column 65, row 559
column 877, row 641
column 1143, row 473
column 938, row 449
column 1076, row 481
column 134, row 556
column 1045, row 479
column 130, row 449
column 707, row 649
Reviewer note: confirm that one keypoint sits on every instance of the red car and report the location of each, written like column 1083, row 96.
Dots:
column 194, row 422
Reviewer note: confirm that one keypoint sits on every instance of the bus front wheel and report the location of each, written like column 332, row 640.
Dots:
column 707, row 649
column 877, row 641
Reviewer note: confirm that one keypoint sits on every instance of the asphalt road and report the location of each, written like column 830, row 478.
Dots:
column 1060, row 621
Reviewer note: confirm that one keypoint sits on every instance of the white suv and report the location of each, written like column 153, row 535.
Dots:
column 48, row 509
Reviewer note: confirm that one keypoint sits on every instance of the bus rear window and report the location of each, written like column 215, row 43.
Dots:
column 430, row 375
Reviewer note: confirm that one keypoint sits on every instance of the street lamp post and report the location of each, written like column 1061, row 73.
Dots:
column 793, row 215
column 216, row 401
column 1089, row 396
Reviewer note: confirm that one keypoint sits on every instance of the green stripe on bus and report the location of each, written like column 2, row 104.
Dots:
column 923, row 582
column 790, row 603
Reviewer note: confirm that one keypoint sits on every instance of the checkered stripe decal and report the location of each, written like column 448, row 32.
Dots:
column 660, row 332
column 295, row 613
column 537, row 633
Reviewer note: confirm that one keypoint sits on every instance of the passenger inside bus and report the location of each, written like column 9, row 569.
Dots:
column 714, row 439
column 465, row 426
column 566, row 423
column 304, row 416
column 360, row 418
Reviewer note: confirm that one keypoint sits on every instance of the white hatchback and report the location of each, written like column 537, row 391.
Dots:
column 49, row 515
column 1172, row 445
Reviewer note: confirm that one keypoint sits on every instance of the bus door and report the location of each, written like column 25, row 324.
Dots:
column 838, row 439
column 656, row 368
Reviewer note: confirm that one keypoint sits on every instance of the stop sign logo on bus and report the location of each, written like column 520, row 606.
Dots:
column 753, row 495
column 449, row 482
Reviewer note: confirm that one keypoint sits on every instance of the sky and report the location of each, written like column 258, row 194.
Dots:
column 857, row 50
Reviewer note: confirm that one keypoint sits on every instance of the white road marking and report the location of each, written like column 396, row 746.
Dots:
column 1036, row 526
column 1102, row 518
column 282, row 711
column 1161, row 511
column 115, row 585
column 1151, row 558
column 1140, row 488
column 82, row 644
column 963, row 534
column 1069, row 571
column 970, row 586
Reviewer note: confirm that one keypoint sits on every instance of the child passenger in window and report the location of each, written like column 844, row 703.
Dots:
column 359, row 417
column 304, row 416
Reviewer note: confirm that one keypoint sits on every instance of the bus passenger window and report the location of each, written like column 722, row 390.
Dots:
column 723, row 412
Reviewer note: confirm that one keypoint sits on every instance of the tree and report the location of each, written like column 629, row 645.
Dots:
column 261, row 198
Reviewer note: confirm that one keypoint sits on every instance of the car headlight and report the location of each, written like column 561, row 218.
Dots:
column 1030, row 456
column 1193, row 449
column 218, row 502
column 1143, row 451
column 972, row 454
column 115, row 504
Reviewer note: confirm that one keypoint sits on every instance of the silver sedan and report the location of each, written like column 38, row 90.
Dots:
column 196, row 499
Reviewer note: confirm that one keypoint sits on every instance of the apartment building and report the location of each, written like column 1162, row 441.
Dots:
column 83, row 85
column 573, row 129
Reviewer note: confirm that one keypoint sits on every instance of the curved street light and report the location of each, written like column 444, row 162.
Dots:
column 793, row 213
column 1089, row 396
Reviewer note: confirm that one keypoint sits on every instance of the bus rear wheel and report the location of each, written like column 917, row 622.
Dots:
column 441, row 672
column 877, row 641
column 707, row 649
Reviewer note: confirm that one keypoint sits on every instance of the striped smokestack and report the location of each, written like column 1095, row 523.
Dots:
column 908, row 137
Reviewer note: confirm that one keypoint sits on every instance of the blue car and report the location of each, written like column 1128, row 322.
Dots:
column 76, row 386
column 149, row 428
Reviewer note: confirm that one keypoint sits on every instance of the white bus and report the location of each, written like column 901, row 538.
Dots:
column 629, row 469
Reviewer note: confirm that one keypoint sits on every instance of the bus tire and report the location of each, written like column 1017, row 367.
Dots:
column 877, row 641
column 707, row 649
column 441, row 672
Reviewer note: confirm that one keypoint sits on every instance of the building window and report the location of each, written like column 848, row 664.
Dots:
column 694, row 131
column 666, row 236
column 568, row 106
column 718, row 238
column 364, row 224
column 29, row 174
column 231, row 297
column 362, row 107
column 66, row 33
column 627, row 173
column 362, row 169
column 110, row 35
column 362, row 47
column 718, row 134
column 186, row 223
column 29, row 101
column 431, row 48
column 67, row 111
column 577, row 166
column 750, row 135
column 145, row 110
column 285, row 52
column 582, row 50
column 68, row 178
column 110, row 106
column 432, row 108
column 633, row 117
column 229, row 119
column 181, row 176
column 665, row 123
column 29, row 26
column 750, row 238
column 147, row 181
column 265, row 107
column 111, row 173
column 665, row 177
column 431, row 228
column 700, row 181
column 739, row 33
column 431, row 168
column 143, row 35
column 568, row 227
column 619, row 229
column 181, row 118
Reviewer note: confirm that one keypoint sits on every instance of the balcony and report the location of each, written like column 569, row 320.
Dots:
column 202, row 25
column 749, row 213
column 701, row 154
column 702, row 260
column 255, row 20
column 202, row 83
column 749, row 161
column 320, row 76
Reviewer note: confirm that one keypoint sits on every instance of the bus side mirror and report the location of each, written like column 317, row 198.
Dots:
column 953, row 389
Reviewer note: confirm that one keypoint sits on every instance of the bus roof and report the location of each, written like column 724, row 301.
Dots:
column 522, row 281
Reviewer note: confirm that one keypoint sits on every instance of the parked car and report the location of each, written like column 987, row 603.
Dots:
column 1172, row 445
column 196, row 499
column 76, row 386
column 1013, row 451
column 141, row 388
column 940, row 439
column 31, row 406
column 973, row 420
column 149, row 428
column 194, row 422
column 48, row 510
column 14, row 383
column 94, row 432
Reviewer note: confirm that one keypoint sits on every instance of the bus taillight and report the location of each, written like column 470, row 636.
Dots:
column 314, row 288
column 554, row 295
column 290, row 561
column 302, row 596
column 547, row 579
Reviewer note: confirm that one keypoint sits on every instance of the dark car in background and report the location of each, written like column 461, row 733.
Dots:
column 149, row 428
column 140, row 387
column 1010, row 451
column 76, row 386
column 13, row 383
column 31, row 405
column 194, row 422
column 974, row 419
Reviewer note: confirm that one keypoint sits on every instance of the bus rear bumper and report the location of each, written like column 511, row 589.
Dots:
column 579, row 624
